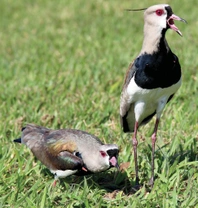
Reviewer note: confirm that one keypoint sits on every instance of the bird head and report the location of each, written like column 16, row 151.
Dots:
column 108, row 155
column 162, row 16
column 97, row 160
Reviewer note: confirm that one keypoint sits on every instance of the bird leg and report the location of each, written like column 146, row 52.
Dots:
column 54, row 183
column 135, row 143
column 55, row 180
column 153, row 138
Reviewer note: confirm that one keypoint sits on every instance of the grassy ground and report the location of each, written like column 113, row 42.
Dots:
column 62, row 65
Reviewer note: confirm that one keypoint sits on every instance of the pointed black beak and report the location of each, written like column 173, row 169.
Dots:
column 117, row 166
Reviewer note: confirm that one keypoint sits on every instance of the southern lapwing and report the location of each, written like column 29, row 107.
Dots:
column 152, row 78
column 69, row 151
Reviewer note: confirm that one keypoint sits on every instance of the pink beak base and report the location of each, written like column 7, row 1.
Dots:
column 114, row 162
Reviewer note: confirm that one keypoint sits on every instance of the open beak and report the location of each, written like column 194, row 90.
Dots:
column 171, row 24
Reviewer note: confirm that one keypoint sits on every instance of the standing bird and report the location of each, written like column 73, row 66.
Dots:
column 152, row 78
column 69, row 151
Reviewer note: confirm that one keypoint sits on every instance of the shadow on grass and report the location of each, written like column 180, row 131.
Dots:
column 112, row 181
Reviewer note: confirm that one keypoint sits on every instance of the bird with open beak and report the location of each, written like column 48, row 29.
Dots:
column 152, row 78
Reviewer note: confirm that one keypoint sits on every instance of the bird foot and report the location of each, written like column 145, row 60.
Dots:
column 137, row 185
column 136, row 188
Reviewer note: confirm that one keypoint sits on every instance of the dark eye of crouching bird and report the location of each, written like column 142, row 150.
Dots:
column 152, row 78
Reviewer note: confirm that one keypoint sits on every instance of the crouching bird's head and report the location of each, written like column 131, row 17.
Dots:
column 102, row 159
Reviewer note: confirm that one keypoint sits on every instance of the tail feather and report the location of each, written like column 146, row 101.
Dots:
column 17, row 140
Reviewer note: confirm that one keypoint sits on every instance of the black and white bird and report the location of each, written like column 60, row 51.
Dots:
column 69, row 151
column 152, row 78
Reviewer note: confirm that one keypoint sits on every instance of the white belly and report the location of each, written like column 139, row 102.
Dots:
column 148, row 101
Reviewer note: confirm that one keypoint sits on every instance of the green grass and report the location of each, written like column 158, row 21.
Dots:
column 62, row 65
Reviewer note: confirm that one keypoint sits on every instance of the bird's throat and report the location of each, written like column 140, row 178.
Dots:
column 153, row 39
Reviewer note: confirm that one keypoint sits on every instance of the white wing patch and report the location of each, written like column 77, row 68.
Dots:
column 63, row 173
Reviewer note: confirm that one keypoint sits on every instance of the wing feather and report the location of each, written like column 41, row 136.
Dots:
column 125, row 105
column 66, row 161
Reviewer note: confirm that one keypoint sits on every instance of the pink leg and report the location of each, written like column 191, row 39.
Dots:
column 54, row 183
column 153, row 138
column 55, row 180
column 135, row 143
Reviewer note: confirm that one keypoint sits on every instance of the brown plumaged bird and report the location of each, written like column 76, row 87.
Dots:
column 69, row 151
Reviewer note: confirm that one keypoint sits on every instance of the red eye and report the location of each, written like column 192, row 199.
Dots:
column 159, row 12
column 103, row 153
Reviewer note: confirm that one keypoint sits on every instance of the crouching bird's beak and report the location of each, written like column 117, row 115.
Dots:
column 113, row 162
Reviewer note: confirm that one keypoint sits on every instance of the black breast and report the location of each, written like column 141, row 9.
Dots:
column 157, row 70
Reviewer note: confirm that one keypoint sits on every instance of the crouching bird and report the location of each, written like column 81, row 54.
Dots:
column 69, row 151
column 152, row 78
